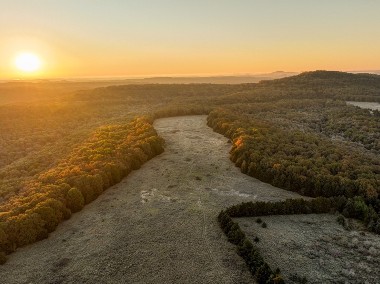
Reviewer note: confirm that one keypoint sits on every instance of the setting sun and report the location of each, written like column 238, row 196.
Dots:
column 27, row 62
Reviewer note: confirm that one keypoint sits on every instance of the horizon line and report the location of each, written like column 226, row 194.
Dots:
column 174, row 75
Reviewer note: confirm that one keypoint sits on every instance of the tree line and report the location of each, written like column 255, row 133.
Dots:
column 251, row 255
column 101, row 161
column 303, row 162
column 355, row 208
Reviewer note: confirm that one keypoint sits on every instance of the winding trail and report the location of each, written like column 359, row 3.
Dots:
column 158, row 225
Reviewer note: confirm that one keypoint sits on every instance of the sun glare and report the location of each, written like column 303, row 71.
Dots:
column 27, row 62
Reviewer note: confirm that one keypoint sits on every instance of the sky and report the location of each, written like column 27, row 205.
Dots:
column 125, row 38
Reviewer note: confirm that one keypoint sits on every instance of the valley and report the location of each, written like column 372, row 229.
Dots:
column 158, row 225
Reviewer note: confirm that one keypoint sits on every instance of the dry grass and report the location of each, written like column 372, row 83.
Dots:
column 318, row 248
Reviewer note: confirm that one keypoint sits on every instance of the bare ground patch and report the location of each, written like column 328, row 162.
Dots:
column 316, row 247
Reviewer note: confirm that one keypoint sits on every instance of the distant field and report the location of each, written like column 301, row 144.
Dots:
column 368, row 105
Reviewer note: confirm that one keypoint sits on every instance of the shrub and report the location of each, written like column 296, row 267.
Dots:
column 256, row 260
column 75, row 200
column 244, row 249
column 298, row 279
column 356, row 208
column 341, row 220
column 235, row 235
column 3, row 258
column 263, row 274
column 264, row 225
column 278, row 280
column 374, row 225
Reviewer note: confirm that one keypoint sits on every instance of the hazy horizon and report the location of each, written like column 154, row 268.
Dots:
column 177, row 76
column 74, row 39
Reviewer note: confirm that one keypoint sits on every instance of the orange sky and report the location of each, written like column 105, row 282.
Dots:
column 93, row 38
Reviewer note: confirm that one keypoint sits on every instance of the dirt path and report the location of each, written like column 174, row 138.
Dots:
column 157, row 226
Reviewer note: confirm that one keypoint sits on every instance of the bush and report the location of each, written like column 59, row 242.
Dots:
column 341, row 220
column 255, row 261
column 356, row 208
column 258, row 221
column 244, row 249
column 298, row 279
column 278, row 280
column 3, row 258
column 264, row 225
column 263, row 274
column 374, row 226
column 75, row 200
column 235, row 235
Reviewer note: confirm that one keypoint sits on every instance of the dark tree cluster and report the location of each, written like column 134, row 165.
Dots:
column 252, row 257
column 317, row 205
column 354, row 208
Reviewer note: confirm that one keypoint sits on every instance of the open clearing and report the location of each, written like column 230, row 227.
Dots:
column 316, row 247
column 368, row 105
column 159, row 224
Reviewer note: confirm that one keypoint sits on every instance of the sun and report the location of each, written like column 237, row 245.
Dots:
column 27, row 62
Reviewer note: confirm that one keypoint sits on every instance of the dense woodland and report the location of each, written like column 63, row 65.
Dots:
column 303, row 161
column 307, row 146
column 322, row 84
column 60, row 150
column 108, row 155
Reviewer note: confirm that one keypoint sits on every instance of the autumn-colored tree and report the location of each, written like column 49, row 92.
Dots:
column 75, row 200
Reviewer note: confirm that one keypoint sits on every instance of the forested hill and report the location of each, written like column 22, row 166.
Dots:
column 317, row 84
column 334, row 78
column 161, row 91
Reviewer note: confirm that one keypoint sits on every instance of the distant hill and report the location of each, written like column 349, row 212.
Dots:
column 322, row 84
column 318, row 84
column 238, row 79
column 36, row 90
column 337, row 77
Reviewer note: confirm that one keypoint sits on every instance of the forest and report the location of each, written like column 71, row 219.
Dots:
column 102, row 160
column 60, row 151
column 307, row 162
